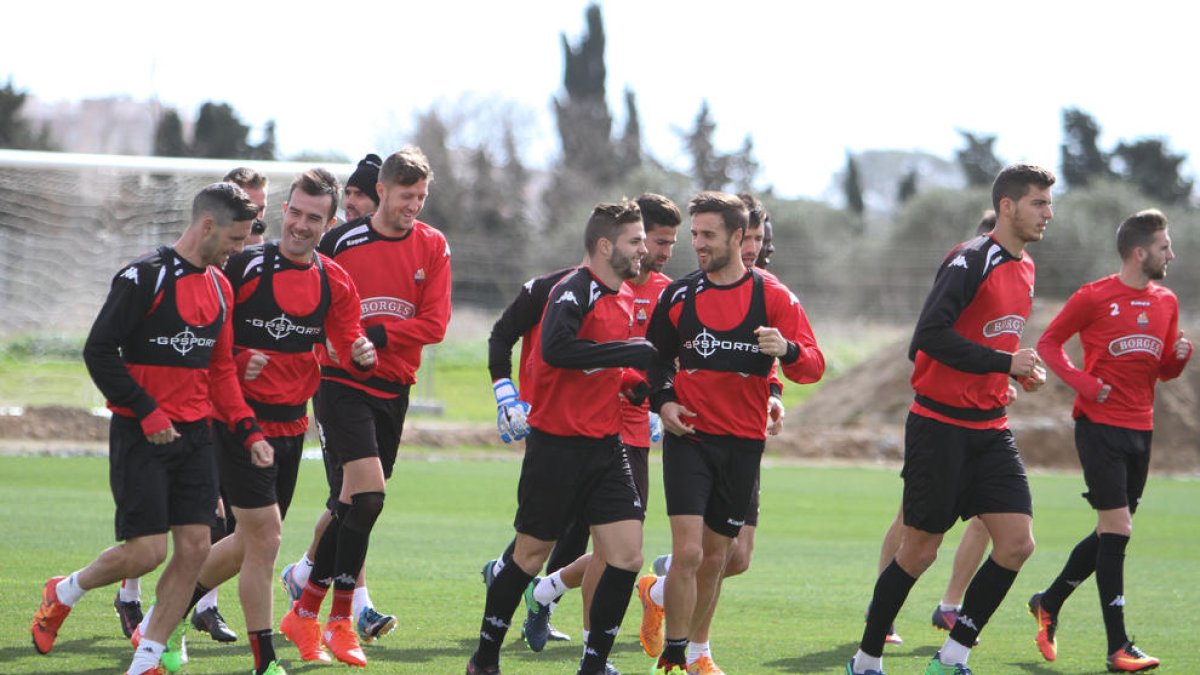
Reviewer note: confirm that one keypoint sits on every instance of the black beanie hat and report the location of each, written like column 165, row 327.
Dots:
column 366, row 176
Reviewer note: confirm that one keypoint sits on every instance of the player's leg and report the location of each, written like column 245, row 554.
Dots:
column 619, row 544
column 968, row 555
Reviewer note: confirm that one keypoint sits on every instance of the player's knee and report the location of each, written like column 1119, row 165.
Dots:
column 365, row 508
column 1013, row 554
column 915, row 560
column 687, row 558
column 739, row 563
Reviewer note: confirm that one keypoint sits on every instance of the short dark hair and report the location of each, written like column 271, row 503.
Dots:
column 1014, row 180
column 757, row 212
column 406, row 166
column 734, row 214
column 987, row 223
column 607, row 220
column 318, row 182
column 658, row 211
column 227, row 203
column 246, row 178
column 1138, row 230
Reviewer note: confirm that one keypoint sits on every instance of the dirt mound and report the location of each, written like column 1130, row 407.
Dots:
column 862, row 414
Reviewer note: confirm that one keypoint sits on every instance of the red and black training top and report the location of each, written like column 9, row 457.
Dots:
column 521, row 320
column 283, row 309
column 635, row 429
column 160, row 349
column 1128, row 337
column 722, row 376
column 584, row 347
column 404, row 286
column 968, row 330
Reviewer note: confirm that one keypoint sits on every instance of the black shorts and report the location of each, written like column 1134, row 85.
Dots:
column 353, row 424
column 564, row 478
column 639, row 462
column 158, row 486
column 711, row 476
column 1115, row 461
column 752, row 511
column 250, row 487
column 953, row 472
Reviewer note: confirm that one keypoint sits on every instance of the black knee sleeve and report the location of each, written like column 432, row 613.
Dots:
column 364, row 510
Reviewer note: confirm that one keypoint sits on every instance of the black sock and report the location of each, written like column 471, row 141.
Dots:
column 263, row 649
column 199, row 592
column 983, row 596
column 353, row 538
column 609, row 603
column 674, row 651
column 326, row 559
column 891, row 590
column 1110, row 580
column 1080, row 565
column 503, row 596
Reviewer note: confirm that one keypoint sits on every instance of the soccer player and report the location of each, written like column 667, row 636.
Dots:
column 651, row 586
column 160, row 351
column 575, row 465
column 726, row 325
column 255, row 185
column 401, row 267
column 361, row 197
column 960, row 459
column 1129, row 326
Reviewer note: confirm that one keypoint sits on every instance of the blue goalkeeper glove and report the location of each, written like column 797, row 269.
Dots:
column 656, row 429
column 511, row 412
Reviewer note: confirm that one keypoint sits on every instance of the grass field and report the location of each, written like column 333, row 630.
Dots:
column 798, row 610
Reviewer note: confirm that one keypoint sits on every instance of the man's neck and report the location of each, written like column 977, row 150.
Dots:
column 728, row 274
column 607, row 276
column 1008, row 240
column 1133, row 276
column 188, row 248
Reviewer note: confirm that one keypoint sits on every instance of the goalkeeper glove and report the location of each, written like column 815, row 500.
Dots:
column 511, row 412
column 656, row 429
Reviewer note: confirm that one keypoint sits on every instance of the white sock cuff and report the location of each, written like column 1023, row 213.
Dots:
column 657, row 590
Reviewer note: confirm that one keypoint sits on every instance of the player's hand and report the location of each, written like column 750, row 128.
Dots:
column 1183, row 347
column 262, row 454
column 255, row 365
column 1023, row 362
column 1102, row 396
column 333, row 355
column 1035, row 380
column 511, row 412
column 363, row 353
column 168, row 435
column 656, row 428
column 672, row 414
column 1012, row 392
column 770, row 341
column 775, row 414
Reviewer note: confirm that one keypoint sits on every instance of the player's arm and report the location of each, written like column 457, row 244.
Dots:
column 129, row 300
column 1176, row 353
column 224, row 389
column 521, row 315
column 952, row 291
column 428, row 324
column 663, row 333
column 1070, row 320
column 802, row 360
column 563, row 348
column 343, row 328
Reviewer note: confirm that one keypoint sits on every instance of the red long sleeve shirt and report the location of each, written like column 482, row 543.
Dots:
column 635, row 427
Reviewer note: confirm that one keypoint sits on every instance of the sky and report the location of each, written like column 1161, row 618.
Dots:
column 808, row 81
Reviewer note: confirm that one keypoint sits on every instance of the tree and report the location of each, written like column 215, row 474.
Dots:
column 710, row 169
column 265, row 149
column 629, row 148
column 219, row 133
column 15, row 131
column 978, row 159
column 584, row 121
column 168, row 137
column 907, row 189
column 1082, row 160
column 852, row 187
column 445, row 207
column 743, row 167
column 1148, row 164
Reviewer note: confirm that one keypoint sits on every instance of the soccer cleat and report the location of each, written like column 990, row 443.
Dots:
column 210, row 621
column 704, row 666
column 129, row 613
column 274, row 668
column 892, row 637
column 175, row 655
column 48, row 618
column 1130, row 659
column 850, row 669
column 536, row 629
column 488, row 572
column 293, row 588
column 936, row 667
column 1047, row 625
column 610, row 668
column 557, row 635
column 156, row 670
column 660, row 565
column 343, row 643
column 305, row 634
column 944, row 619
column 664, row 668
column 473, row 669
column 372, row 625
column 652, row 631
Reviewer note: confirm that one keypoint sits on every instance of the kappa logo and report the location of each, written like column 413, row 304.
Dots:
column 184, row 341
column 386, row 306
column 1010, row 324
column 706, row 344
column 967, row 621
column 567, row 296
column 1118, row 601
column 958, row 261
column 1136, row 344
column 593, row 293
column 735, row 523
column 281, row 326
column 1139, row 303
column 130, row 273
column 355, row 242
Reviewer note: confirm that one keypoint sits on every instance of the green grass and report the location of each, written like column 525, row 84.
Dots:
column 798, row 610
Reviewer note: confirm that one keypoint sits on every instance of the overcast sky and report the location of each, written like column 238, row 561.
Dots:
column 808, row 80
